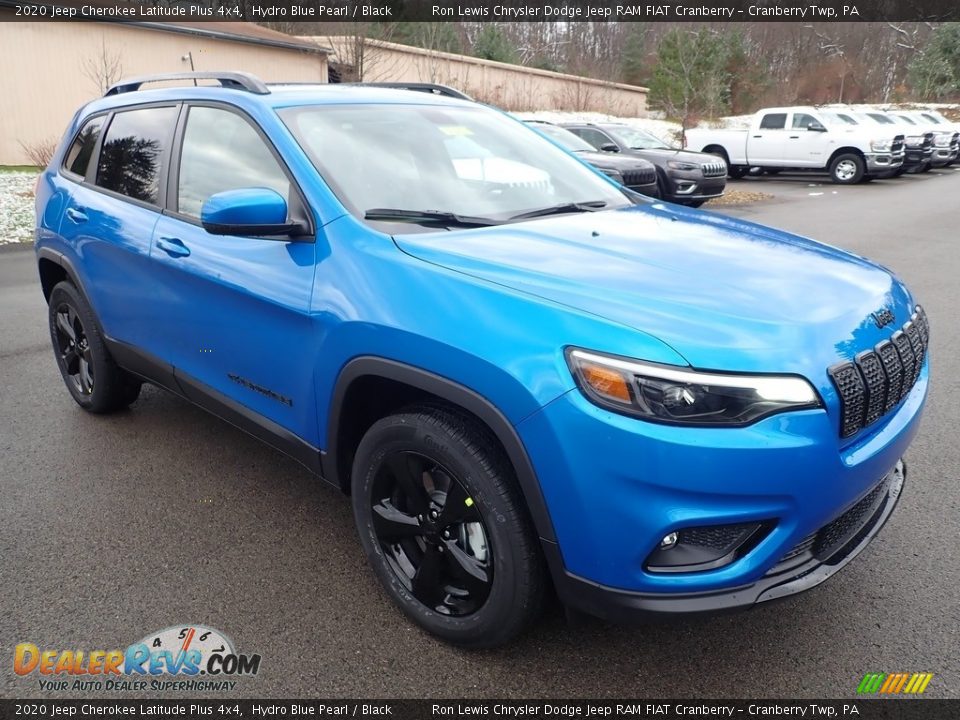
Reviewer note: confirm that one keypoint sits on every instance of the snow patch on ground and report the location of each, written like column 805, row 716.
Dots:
column 16, row 207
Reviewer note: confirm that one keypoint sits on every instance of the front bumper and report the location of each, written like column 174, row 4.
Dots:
column 692, row 186
column 883, row 162
column 616, row 486
column 943, row 156
column 802, row 573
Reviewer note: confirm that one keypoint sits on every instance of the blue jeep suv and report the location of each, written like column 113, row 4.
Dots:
column 525, row 376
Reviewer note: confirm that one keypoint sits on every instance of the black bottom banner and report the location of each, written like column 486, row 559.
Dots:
column 899, row 709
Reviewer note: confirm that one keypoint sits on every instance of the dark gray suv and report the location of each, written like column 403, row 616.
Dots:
column 685, row 177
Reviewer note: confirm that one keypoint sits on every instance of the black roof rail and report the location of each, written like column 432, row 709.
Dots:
column 233, row 80
column 430, row 88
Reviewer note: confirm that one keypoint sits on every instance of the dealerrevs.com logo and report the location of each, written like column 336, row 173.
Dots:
column 184, row 657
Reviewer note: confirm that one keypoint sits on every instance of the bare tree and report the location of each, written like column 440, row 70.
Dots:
column 104, row 68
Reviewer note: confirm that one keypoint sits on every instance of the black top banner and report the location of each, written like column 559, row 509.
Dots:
column 187, row 709
column 804, row 11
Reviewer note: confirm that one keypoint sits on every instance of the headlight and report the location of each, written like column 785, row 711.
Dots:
column 942, row 141
column 671, row 394
column 881, row 145
column 679, row 165
column 612, row 174
column 914, row 140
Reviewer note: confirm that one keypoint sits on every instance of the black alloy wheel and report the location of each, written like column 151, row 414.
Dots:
column 74, row 349
column 92, row 377
column 431, row 534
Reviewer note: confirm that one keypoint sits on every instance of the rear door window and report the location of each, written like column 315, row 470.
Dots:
column 135, row 148
column 773, row 121
column 78, row 156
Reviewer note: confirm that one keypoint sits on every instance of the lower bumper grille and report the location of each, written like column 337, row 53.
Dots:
column 850, row 527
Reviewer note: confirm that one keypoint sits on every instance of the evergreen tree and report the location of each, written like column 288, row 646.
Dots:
column 935, row 72
column 493, row 44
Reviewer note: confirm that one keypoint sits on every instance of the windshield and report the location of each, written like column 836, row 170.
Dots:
column 931, row 118
column 882, row 119
column 566, row 138
column 638, row 139
column 905, row 119
column 441, row 164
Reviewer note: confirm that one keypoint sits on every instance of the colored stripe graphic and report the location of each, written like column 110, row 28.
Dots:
column 894, row 683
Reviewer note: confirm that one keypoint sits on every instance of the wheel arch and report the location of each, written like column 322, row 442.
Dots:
column 844, row 151
column 369, row 387
column 715, row 149
column 54, row 267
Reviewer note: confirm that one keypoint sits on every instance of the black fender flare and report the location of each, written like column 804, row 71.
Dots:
column 456, row 394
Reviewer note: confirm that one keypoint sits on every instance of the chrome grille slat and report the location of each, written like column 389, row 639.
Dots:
column 714, row 169
column 879, row 379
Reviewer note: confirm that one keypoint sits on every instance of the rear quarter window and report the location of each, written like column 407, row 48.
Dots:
column 77, row 159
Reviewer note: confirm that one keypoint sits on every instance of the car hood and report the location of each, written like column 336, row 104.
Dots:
column 660, row 156
column 613, row 160
column 724, row 293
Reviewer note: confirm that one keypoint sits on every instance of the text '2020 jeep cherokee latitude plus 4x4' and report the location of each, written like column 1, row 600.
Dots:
column 657, row 410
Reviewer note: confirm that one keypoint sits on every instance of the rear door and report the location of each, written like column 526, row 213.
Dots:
column 118, row 187
column 765, row 146
column 234, row 312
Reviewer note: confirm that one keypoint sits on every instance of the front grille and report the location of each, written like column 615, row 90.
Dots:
column 641, row 176
column 714, row 169
column 879, row 379
column 897, row 144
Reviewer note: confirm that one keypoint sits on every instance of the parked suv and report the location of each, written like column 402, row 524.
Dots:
column 555, row 382
column 685, row 177
column 633, row 172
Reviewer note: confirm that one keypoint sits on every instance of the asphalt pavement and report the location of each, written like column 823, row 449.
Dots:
column 113, row 527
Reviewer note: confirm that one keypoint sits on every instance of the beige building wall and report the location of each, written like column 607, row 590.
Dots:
column 511, row 87
column 44, row 80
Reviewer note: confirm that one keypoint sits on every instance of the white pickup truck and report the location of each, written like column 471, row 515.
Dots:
column 803, row 138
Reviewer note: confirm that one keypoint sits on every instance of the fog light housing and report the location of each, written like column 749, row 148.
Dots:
column 696, row 549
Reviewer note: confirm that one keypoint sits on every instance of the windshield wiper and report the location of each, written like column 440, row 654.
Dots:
column 562, row 208
column 428, row 216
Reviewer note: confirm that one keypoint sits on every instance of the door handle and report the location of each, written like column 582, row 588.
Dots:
column 794, row 137
column 758, row 136
column 173, row 247
column 76, row 215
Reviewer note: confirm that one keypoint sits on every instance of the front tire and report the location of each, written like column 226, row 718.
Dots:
column 89, row 372
column 847, row 169
column 444, row 527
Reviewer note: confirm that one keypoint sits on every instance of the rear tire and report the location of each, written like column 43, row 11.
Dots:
column 847, row 169
column 445, row 529
column 93, row 379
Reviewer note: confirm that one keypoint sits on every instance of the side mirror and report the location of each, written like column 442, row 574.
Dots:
column 816, row 127
column 609, row 147
column 247, row 211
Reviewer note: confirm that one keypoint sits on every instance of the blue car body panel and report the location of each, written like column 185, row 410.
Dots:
column 493, row 310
